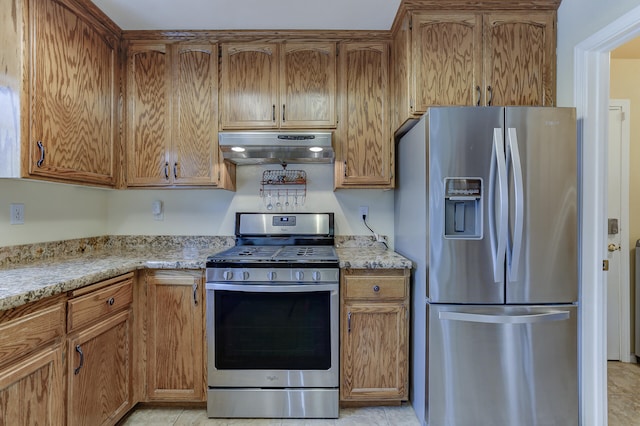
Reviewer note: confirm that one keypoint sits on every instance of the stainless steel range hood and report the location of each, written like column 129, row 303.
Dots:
column 269, row 147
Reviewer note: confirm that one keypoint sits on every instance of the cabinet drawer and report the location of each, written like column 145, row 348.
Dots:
column 22, row 335
column 92, row 306
column 372, row 287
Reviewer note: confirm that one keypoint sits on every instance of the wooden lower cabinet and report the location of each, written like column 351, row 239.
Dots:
column 31, row 390
column 99, row 372
column 99, row 360
column 374, row 336
column 175, row 340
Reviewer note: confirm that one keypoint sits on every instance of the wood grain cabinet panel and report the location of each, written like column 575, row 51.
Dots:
column 172, row 118
column 175, row 358
column 472, row 57
column 73, row 93
column 278, row 85
column 364, row 147
column 374, row 357
column 31, row 390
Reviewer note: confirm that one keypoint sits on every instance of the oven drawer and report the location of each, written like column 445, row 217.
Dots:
column 375, row 287
column 94, row 302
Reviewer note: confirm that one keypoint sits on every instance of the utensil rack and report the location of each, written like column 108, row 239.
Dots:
column 283, row 189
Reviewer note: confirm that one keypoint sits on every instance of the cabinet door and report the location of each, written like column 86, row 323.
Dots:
column 374, row 351
column 148, row 115
column 99, row 372
column 447, row 65
column 31, row 390
column 249, row 91
column 176, row 335
column 73, row 91
column 195, row 115
column 363, row 141
column 519, row 58
column 308, row 85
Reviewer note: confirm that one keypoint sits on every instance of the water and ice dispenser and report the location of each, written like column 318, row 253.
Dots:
column 463, row 208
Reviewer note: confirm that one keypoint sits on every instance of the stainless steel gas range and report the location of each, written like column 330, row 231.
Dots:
column 272, row 319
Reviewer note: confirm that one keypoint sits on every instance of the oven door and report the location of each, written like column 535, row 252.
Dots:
column 272, row 336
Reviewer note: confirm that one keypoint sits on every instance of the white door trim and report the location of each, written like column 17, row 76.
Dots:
column 624, row 312
column 591, row 95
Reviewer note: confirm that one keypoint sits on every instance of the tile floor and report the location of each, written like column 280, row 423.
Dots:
column 623, row 384
column 624, row 409
column 367, row 416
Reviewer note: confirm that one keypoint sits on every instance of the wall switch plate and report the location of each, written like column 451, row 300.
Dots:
column 17, row 214
column 364, row 211
column 157, row 210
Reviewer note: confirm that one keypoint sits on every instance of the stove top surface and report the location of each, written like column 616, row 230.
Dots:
column 277, row 253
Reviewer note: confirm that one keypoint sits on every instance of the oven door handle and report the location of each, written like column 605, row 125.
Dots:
column 273, row 288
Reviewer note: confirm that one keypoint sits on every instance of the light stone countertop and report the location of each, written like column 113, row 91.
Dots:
column 31, row 281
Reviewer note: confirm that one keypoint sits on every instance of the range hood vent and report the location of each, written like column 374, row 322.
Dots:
column 276, row 147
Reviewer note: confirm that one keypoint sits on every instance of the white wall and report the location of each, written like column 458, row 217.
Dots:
column 577, row 20
column 58, row 211
column 52, row 212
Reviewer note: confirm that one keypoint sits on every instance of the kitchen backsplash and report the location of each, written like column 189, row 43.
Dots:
column 190, row 245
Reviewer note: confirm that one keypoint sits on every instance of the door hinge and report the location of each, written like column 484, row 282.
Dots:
column 605, row 265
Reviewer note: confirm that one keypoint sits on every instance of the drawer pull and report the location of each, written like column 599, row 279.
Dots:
column 111, row 301
column 376, row 288
column 79, row 350
column 349, row 322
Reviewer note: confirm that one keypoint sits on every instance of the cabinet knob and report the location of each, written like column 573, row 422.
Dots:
column 111, row 301
column 376, row 288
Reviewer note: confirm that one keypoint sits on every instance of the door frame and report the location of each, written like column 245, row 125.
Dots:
column 624, row 312
column 591, row 94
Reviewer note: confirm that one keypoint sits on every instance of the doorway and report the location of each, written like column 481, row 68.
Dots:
column 591, row 77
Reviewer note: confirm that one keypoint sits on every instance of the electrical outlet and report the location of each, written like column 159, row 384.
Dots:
column 157, row 209
column 17, row 214
column 364, row 211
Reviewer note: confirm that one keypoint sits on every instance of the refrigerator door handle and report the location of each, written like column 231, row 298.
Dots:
column 505, row 319
column 499, row 235
column 518, row 228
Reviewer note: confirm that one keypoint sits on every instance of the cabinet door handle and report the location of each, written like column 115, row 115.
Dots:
column 345, row 168
column 79, row 350
column 283, row 119
column 41, row 160
column 479, row 92
column 349, row 322
column 273, row 113
column 166, row 170
column 195, row 294
column 490, row 91
column 111, row 301
column 175, row 170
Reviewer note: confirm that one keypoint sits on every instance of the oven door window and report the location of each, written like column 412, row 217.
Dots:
column 272, row 331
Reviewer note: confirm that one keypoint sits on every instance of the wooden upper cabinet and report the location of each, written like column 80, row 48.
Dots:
column 448, row 49
column 73, row 93
column 148, row 137
column 364, row 154
column 519, row 58
column 249, row 84
column 172, row 117
column 308, row 85
column 272, row 85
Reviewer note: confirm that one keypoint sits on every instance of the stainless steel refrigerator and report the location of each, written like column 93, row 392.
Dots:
column 486, row 208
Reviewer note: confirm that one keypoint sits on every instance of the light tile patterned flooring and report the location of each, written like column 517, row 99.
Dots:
column 367, row 416
column 624, row 396
column 623, row 399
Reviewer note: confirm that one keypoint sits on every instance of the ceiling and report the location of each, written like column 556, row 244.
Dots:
column 250, row 14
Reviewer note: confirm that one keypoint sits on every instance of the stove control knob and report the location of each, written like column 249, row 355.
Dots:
column 315, row 275
column 245, row 275
column 299, row 275
column 228, row 275
column 271, row 275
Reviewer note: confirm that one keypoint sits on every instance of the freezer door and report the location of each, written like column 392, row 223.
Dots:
column 542, row 254
column 502, row 366
column 465, row 268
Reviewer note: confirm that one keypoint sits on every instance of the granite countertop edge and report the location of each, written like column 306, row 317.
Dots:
column 22, row 284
